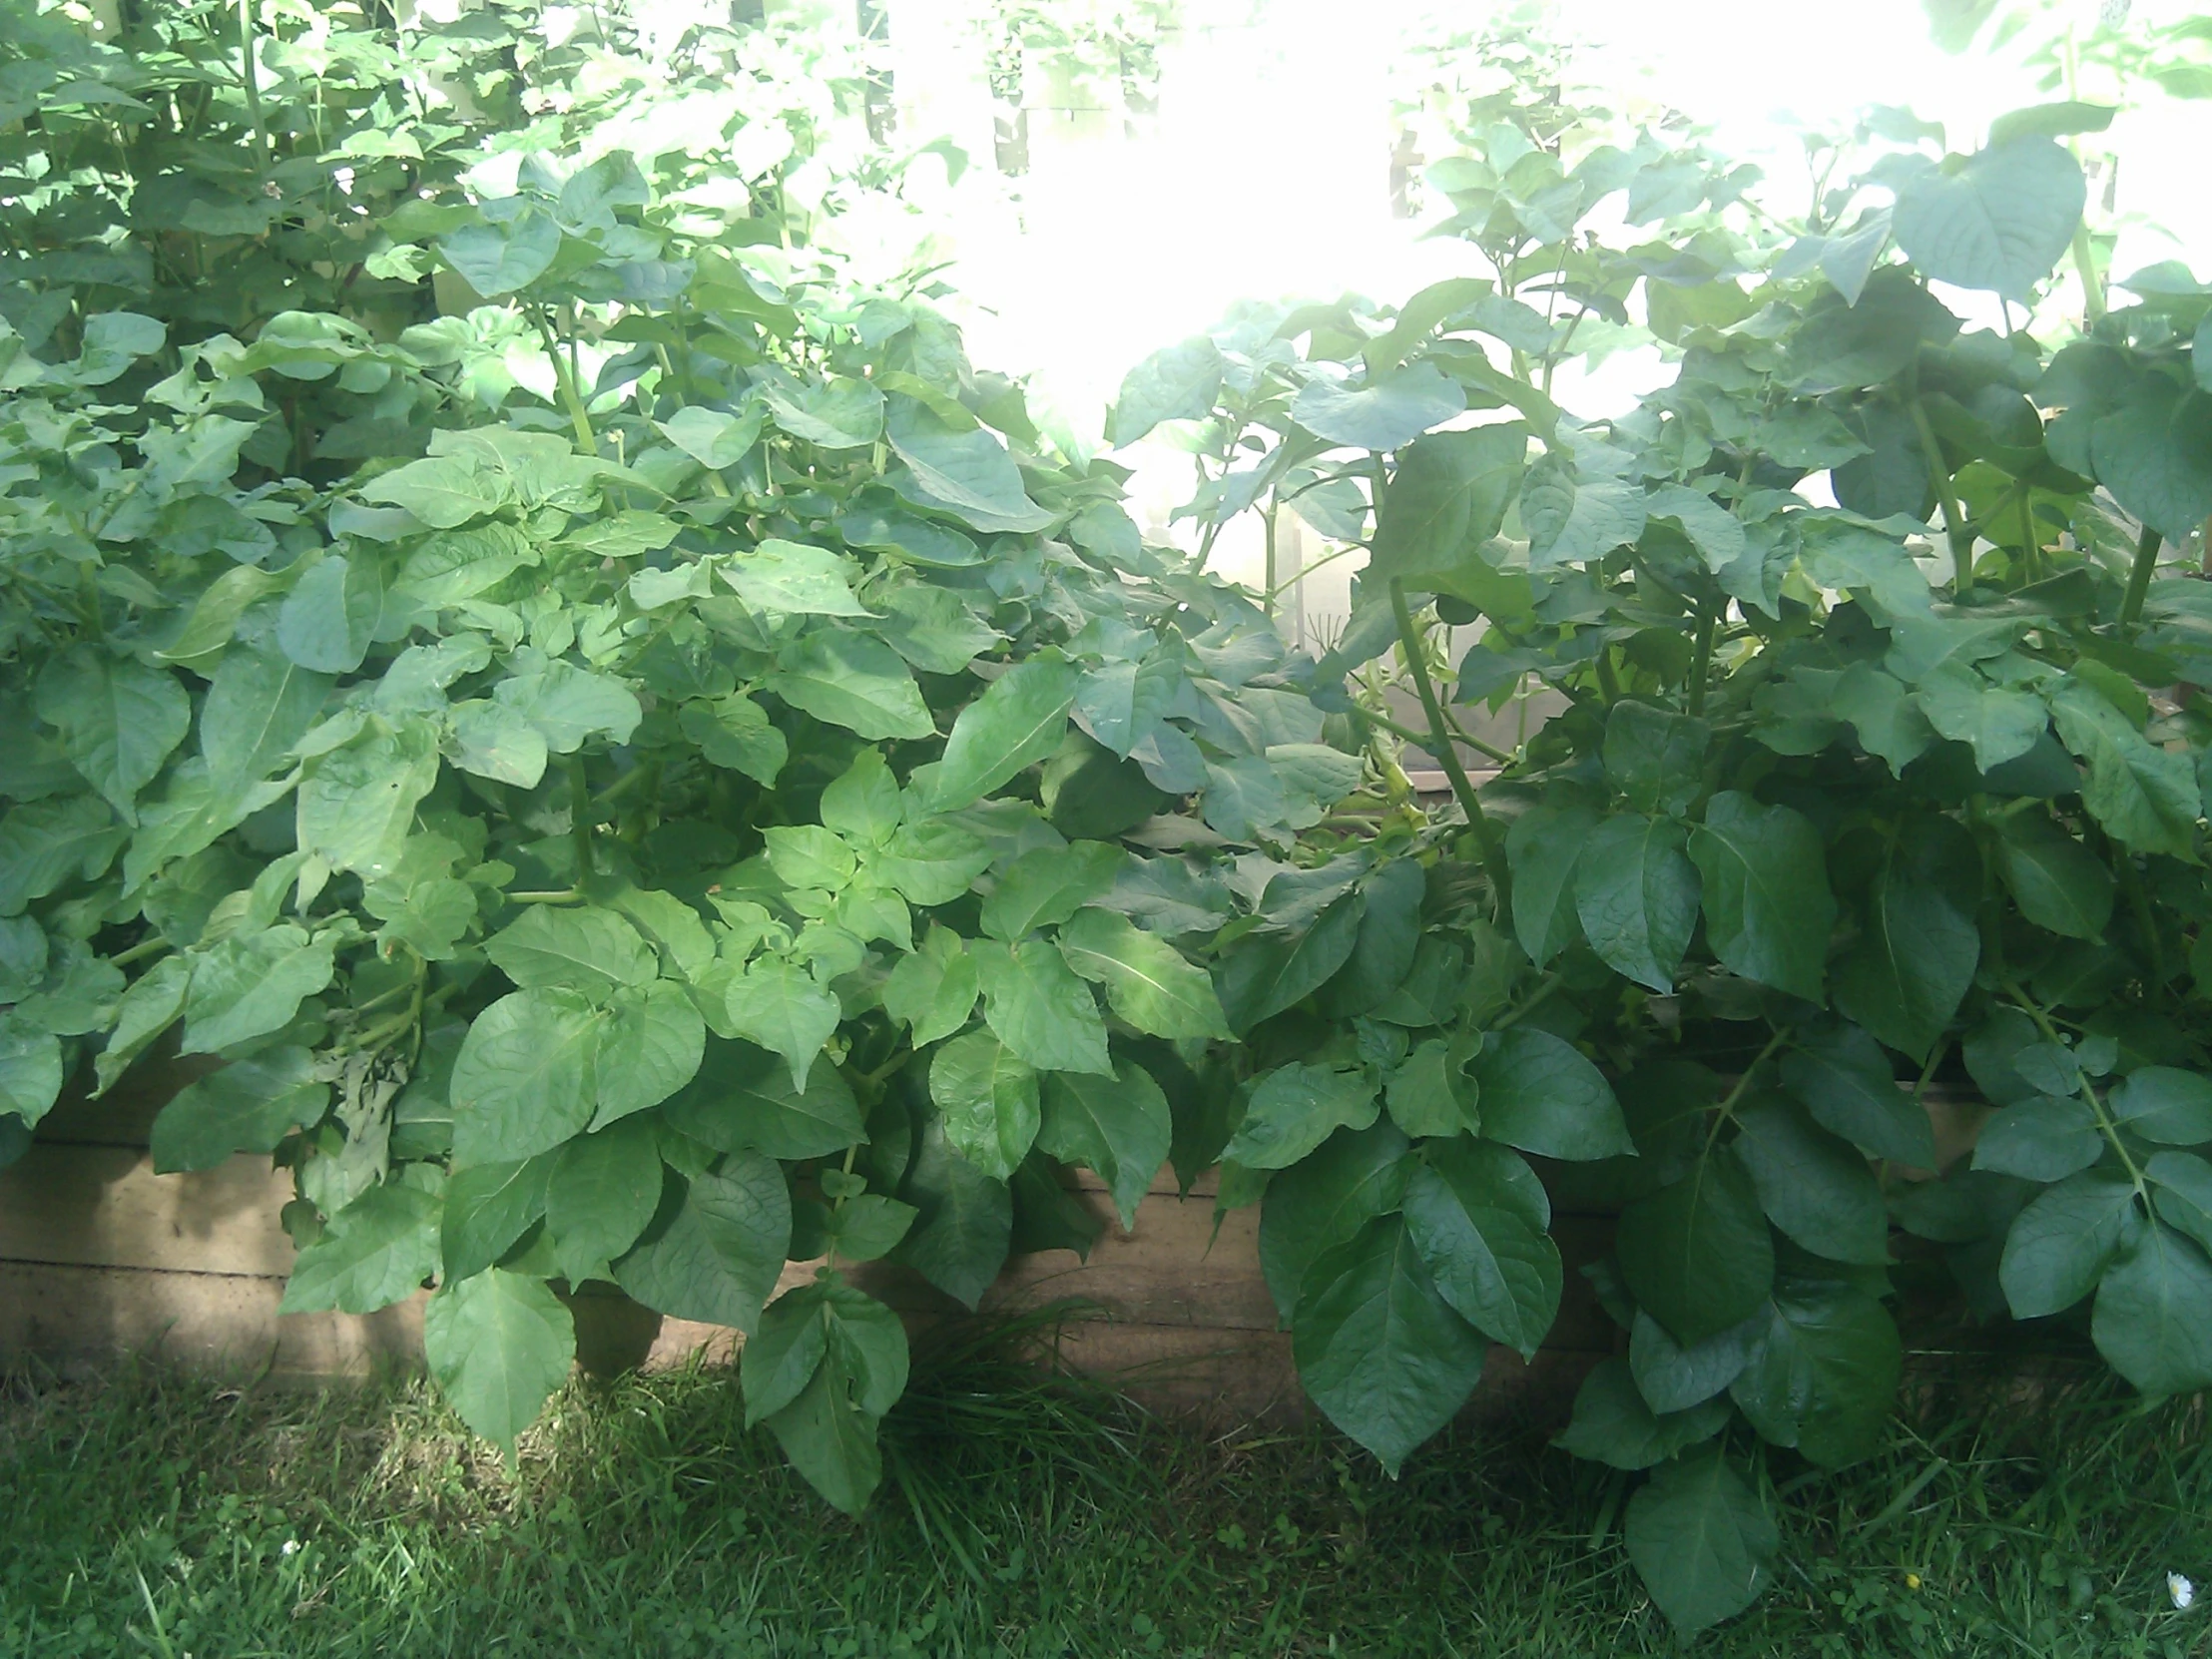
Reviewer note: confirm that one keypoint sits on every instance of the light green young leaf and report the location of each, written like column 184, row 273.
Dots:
column 784, row 578
column 1999, row 222
column 328, row 619
column 1380, row 414
column 989, row 1097
column 1177, row 382
column 1047, row 885
column 932, row 992
column 118, row 720
column 1018, row 721
column 376, row 1250
column 246, row 987
column 526, row 1078
column 854, row 681
column 778, row 1006
column 581, row 948
column 601, row 1193
column 742, row 1100
column 1041, row 1009
column 733, row 733
column 500, row 1345
column 248, row 1106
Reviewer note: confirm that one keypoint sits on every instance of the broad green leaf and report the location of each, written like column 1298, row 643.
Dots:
column 1636, row 895
column 1540, row 1093
column 1768, row 908
column 2165, row 1104
column 1119, row 1127
column 2144, row 795
column 118, row 720
column 1389, row 938
column 1382, row 413
column 932, row 992
column 1673, row 1377
column 2000, row 725
column 717, row 1245
column 30, row 1070
column 1814, row 1188
column 2149, row 1322
column 1446, row 496
column 2058, row 883
column 1696, row 1253
column 1120, row 704
column 1041, row 1009
column 988, row 1096
column 500, row 1345
column 1019, row 719
column 1147, row 980
column 784, row 578
column 488, row 1208
column 499, row 259
column 457, row 565
column 960, row 1238
column 933, row 862
column 1701, row 1541
column 601, row 1193
column 742, row 1100
column 1870, row 340
column 496, row 742
column 2060, row 1245
column 1574, row 519
column 715, row 438
column 869, row 1227
column 2042, row 1138
column 526, row 1078
column 1480, row 1218
column 376, row 1250
column 1378, row 1347
column 150, row 1006
column 1324, row 1199
column 581, row 948
column 1843, row 1079
column 1542, row 850
column 733, row 733
column 1999, row 222
column 778, row 1005
column 1716, row 533
column 1047, row 885
column 443, row 491
column 933, row 629
column 864, row 804
column 357, row 804
column 248, row 1106
column 246, row 987
column 839, row 413
column 1914, row 960
column 780, row 1358
column 1612, row 1424
column 1428, row 1095
column 259, row 705
column 2155, row 452
column 568, row 704
column 1654, row 756
column 829, row 1439
column 854, row 681
column 1177, row 382
column 1823, row 1375
column 1883, row 715
column 810, row 856
column 2184, row 1192
column 51, row 842
column 968, row 472
column 328, row 619
column 1295, row 1109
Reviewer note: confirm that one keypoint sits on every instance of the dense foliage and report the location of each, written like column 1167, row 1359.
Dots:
column 649, row 767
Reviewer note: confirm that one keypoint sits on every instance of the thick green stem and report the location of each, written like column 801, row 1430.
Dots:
column 2092, row 285
column 572, row 399
column 1956, row 527
column 1701, row 657
column 1448, row 755
column 581, row 813
column 250, row 73
column 2138, row 577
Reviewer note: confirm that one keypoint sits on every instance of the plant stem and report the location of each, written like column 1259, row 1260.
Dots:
column 579, row 417
column 252, row 77
column 580, row 817
column 1955, row 522
column 1531, row 1003
column 139, row 952
column 1417, row 662
column 1701, row 657
column 561, row 896
column 2138, row 577
column 2092, row 285
column 1736, row 1094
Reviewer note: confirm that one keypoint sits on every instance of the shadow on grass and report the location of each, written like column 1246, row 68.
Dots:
column 2011, row 1512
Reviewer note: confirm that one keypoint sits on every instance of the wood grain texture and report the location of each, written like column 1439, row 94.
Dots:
column 104, row 1207
column 225, row 1325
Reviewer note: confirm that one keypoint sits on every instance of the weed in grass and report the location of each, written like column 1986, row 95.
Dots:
column 1029, row 1516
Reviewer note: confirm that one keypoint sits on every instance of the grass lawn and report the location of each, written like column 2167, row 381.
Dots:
column 153, row 1514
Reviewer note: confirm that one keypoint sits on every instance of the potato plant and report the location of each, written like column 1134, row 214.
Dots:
column 1840, row 800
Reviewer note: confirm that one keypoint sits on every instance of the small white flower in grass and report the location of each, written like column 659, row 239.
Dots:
column 292, row 1547
column 2182, row 1591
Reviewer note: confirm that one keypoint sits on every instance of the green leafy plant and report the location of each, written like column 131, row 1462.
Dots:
column 652, row 776
column 1834, row 801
